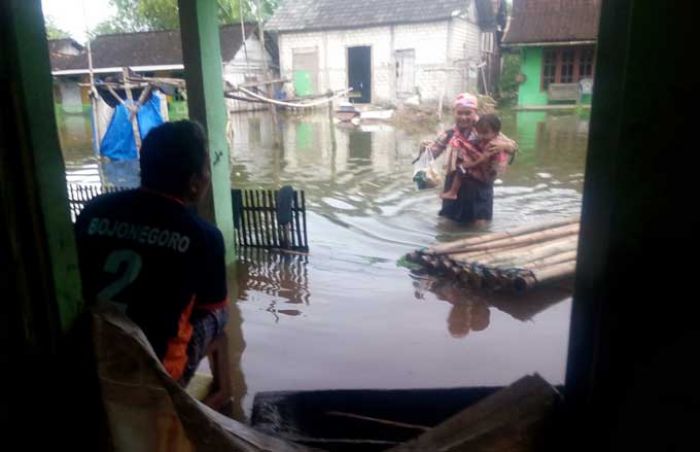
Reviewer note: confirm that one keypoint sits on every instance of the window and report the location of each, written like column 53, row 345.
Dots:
column 549, row 67
column 585, row 68
column 487, row 42
column 567, row 64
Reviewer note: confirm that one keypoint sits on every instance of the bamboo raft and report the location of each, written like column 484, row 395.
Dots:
column 518, row 259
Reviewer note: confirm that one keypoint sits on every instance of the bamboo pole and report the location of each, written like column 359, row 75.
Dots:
column 518, row 257
column 484, row 238
column 144, row 94
column 479, row 255
column 522, row 251
column 545, row 274
column 549, row 260
column 515, row 258
column 132, row 112
column 532, row 237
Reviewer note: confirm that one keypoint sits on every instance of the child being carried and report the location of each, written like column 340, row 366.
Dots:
column 471, row 158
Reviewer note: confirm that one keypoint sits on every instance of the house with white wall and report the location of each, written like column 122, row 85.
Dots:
column 386, row 50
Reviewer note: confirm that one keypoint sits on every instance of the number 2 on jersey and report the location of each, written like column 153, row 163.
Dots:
column 115, row 261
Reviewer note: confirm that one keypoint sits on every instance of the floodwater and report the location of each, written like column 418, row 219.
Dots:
column 347, row 315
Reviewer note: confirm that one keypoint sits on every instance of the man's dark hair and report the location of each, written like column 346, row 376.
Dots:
column 172, row 153
column 490, row 121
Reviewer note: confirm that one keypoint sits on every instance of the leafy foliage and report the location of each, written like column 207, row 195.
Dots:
column 509, row 84
column 145, row 15
column 52, row 31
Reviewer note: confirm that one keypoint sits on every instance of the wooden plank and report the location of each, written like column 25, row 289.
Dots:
column 511, row 419
column 295, row 212
column 271, row 217
column 263, row 218
column 255, row 233
column 243, row 225
column 248, row 220
column 273, row 220
column 303, row 212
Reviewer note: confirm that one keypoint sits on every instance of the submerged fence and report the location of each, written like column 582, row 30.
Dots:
column 78, row 195
column 270, row 219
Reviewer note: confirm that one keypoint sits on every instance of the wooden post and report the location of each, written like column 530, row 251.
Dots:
column 332, row 127
column 132, row 107
column 266, row 69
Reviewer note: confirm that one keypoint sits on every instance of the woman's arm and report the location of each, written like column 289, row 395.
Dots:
column 503, row 144
column 437, row 146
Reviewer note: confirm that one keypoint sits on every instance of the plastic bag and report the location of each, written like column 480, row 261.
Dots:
column 425, row 171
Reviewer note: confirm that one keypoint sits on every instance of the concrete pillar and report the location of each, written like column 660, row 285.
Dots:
column 205, row 101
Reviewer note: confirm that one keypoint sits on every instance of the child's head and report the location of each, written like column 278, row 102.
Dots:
column 488, row 127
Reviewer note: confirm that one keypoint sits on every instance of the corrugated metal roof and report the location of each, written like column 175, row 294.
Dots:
column 148, row 48
column 297, row 15
column 541, row 21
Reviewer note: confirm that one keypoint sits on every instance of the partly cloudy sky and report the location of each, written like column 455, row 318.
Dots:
column 74, row 16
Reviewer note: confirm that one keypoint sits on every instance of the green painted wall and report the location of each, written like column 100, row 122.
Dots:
column 529, row 92
column 34, row 91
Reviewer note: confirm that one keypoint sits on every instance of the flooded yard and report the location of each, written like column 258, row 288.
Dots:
column 347, row 315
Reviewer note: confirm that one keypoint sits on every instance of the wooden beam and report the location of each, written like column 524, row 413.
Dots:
column 511, row 419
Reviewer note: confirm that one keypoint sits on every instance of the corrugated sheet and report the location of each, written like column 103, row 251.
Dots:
column 297, row 15
column 553, row 21
column 149, row 48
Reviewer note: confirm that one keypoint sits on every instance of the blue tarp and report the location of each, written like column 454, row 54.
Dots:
column 149, row 115
column 118, row 142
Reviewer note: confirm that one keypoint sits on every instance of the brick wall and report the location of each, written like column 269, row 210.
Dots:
column 438, row 46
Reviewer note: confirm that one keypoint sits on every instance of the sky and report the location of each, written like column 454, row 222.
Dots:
column 68, row 15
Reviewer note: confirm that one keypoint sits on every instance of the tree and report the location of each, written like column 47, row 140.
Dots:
column 508, row 86
column 52, row 30
column 144, row 15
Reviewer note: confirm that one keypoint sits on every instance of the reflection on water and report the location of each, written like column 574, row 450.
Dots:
column 279, row 275
column 470, row 309
column 347, row 316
